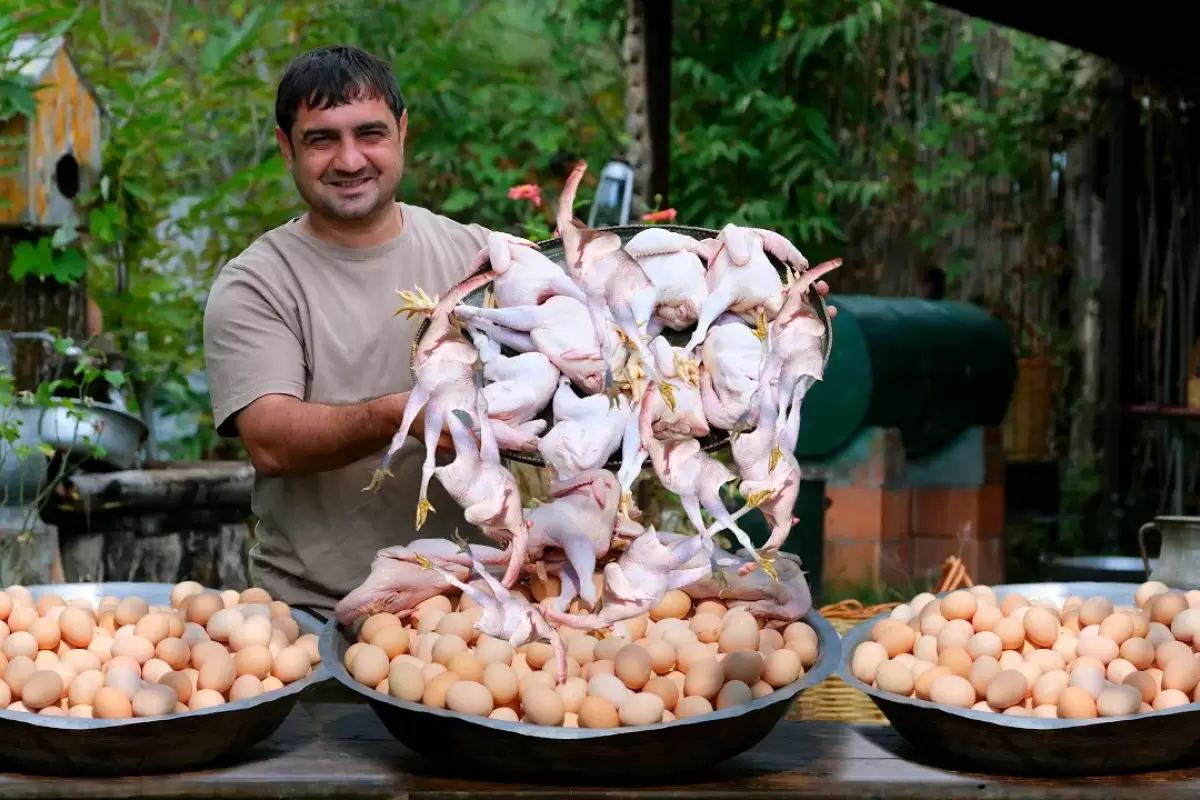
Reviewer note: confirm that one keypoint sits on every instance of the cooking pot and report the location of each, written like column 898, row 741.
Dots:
column 75, row 432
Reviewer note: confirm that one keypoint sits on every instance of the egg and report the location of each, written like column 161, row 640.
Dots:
column 218, row 674
column 205, row 698
column 707, row 627
column 737, row 638
column 77, row 626
column 1041, row 627
column 124, row 679
column 19, row 643
column 111, row 703
column 1011, row 632
column 1165, row 607
column 131, row 609
column 957, row 660
column 612, row 689
column 1182, row 674
column 469, row 697
column 1170, row 651
column 1118, row 701
column 434, row 695
column 575, row 689
column 44, row 688
column 959, row 604
column 674, row 603
column 669, row 691
column 1090, row 679
column 153, row 701
column 599, row 712
column 545, row 707
column 952, row 690
column 133, row 646
column 1011, row 603
column 632, row 666
column 1144, row 683
column 1007, row 689
column 255, row 630
column 154, row 669
column 291, row 664
column 179, row 683
column 1169, row 698
column 1049, row 686
column 1076, row 703
column 867, row 658
column 181, row 591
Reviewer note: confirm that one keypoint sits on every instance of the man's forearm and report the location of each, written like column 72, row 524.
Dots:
column 289, row 437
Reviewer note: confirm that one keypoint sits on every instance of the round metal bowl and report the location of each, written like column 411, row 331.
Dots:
column 553, row 250
column 30, row 743
column 521, row 751
column 1032, row 746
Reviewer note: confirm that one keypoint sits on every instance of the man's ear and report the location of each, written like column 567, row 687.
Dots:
column 285, row 147
column 403, row 124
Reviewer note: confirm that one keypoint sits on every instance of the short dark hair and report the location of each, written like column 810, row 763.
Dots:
column 333, row 76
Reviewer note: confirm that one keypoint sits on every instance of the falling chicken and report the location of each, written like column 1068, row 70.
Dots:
column 580, row 361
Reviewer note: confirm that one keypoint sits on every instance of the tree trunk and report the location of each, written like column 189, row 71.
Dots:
column 637, row 125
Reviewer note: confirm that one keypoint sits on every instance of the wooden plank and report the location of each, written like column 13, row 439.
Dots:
column 222, row 484
column 341, row 750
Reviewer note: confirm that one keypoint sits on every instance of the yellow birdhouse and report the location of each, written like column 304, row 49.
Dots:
column 51, row 155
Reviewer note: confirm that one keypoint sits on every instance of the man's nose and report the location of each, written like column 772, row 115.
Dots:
column 349, row 158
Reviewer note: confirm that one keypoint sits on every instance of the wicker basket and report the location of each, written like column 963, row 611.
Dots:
column 834, row 700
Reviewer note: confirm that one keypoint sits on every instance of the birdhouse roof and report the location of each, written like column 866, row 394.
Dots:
column 32, row 56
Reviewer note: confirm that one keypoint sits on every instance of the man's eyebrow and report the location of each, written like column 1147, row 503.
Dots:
column 363, row 127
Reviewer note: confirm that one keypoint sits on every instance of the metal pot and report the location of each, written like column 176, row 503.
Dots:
column 75, row 431
column 21, row 476
column 1179, row 558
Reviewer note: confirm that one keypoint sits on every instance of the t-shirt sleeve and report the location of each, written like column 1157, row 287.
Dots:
column 250, row 349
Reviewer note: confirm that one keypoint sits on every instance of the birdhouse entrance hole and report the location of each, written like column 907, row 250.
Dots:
column 66, row 176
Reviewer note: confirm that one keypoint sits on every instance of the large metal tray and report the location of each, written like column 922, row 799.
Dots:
column 521, row 751
column 553, row 250
column 30, row 743
column 1034, row 746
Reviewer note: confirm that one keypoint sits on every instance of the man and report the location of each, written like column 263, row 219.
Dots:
column 306, row 362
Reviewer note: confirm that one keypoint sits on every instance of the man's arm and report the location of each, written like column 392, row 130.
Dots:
column 289, row 437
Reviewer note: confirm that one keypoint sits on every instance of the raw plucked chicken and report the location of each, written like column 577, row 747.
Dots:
column 578, row 362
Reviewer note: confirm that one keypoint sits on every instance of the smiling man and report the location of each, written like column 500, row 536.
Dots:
column 306, row 362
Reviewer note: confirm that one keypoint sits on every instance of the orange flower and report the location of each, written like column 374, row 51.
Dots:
column 526, row 191
column 666, row 215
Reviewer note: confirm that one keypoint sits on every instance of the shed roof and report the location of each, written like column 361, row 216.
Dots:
column 32, row 56
column 1150, row 36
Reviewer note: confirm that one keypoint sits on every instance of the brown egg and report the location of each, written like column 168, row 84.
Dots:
column 1041, row 627
column 893, row 676
column 154, row 701
column 19, row 643
column 1169, row 698
column 183, row 590
column 707, row 627
column 983, row 670
column 705, row 678
column 1165, row 607
column 641, row 709
column 1076, row 703
column 957, row 660
column 1182, row 674
column 959, row 604
column 867, row 658
column 573, row 691
column 1049, row 686
column 544, row 706
column 17, row 673
column 308, row 642
column 1144, row 683
column 77, row 626
column 1118, row 670
column 131, row 609
column 111, row 703
column 135, row 647
column 738, row 638
column 1118, row 701
column 257, row 661
column 952, row 690
column 1170, row 651
column 221, row 624
column 1094, row 610
column 675, row 604
column 1007, row 689
column 154, row 669
column 632, row 666
column 1011, row 603
column 1137, row 651
column 218, row 674
column 1011, row 632
column 924, row 681
column 47, row 602
column 179, row 683
column 21, row 618
column 925, row 648
column 466, row 666
column 1098, row 647
column 43, row 689
column 205, row 698
column 255, row 630
column 1090, row 679
column 293, row 663
column 1148, row 590
column 666, row 689
column 46, row 633
column 469, row 697
column 598, row 712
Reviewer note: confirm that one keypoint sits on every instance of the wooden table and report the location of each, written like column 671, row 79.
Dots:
column 340, row 750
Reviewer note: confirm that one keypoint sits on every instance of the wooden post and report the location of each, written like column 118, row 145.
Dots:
column 1120, row 287
column 658, row 31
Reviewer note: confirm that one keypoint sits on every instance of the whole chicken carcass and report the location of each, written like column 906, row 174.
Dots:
column 506, row 615
column 586, row 431
column 485, row 488
column 397, row 583
column 444, row 367
column 731, row 362
column 637, row 581
column 795, row 359
column 611, row 278
column 561, row 329
column 742, row 279
column 777, row 602
column 770, row 473
column 695, row 476
column 580, row 520
column 681, row 419
column 672, row 262
column 519, row 388
column 525, row 277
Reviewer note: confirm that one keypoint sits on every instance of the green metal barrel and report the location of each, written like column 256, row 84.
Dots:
column 931, row 369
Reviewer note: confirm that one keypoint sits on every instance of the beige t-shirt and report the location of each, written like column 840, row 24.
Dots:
column 294, row 315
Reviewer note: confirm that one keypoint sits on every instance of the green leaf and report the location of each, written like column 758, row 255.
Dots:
column 114, row 378
column 69, row 266
column 460, row 199
column 46, row 450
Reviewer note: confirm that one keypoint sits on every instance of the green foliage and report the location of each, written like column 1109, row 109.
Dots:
column 19, row 445
column 854, row 129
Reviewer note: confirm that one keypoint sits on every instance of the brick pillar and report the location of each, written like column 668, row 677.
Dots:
column 868, row 514
column 958, row 508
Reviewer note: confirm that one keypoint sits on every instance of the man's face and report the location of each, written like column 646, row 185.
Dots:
column 348, row 160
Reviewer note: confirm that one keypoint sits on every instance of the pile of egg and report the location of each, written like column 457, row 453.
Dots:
column 676, row 662
column 1028, row 657
column 127, row 658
